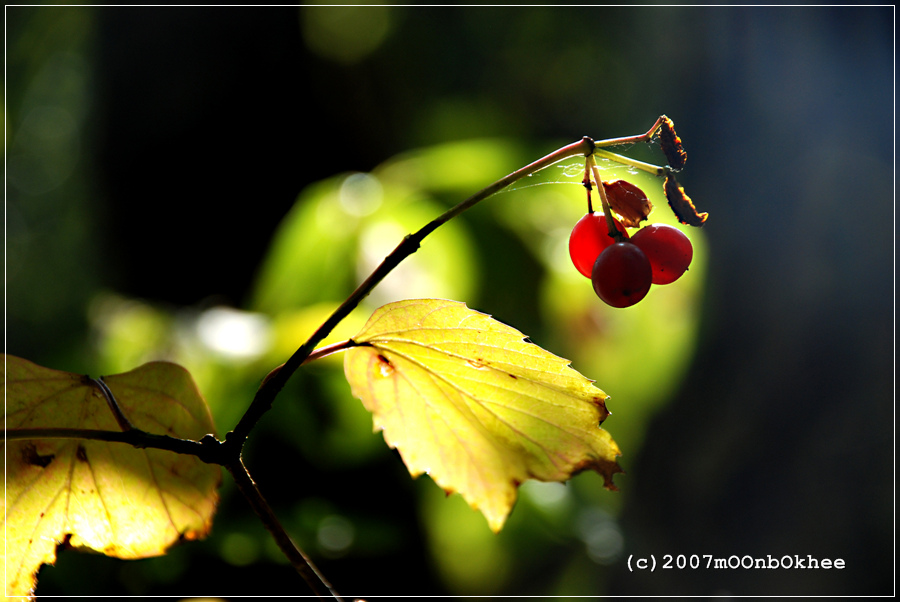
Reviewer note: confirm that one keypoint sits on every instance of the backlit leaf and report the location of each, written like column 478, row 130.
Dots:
column 103, row 496
column 628, row 201
column 466, row 400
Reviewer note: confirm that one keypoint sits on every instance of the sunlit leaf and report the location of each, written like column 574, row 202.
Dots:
column 103, row 496
column 466, row 400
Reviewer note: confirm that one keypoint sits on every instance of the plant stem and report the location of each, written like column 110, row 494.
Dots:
column 329, row 349
column 265, row 396
column 134, row 437
column 313, row 577
column 586, row 182
column 632, row 139
column 648, row 167
column 607, row 211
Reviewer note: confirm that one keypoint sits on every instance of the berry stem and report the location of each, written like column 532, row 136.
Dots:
column 613, row 231
column 632, row 139
column 648, row 167
column 586, row 182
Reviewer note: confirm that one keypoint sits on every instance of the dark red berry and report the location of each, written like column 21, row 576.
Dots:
column 622, row 275
column 588, row 239
column 668, row 250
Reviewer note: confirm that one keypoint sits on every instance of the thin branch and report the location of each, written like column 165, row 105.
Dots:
column 633, row 139
column 205, row 449
column 648, row 167
column 267, row 392
column 604, row 200
column 303, row 565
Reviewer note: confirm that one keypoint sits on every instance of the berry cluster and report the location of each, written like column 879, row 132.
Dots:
column 622, row 268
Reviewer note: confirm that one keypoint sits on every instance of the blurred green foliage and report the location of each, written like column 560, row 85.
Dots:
column 49, row 99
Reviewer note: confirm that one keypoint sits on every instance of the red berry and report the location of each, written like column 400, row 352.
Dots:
column 668, row 249
column 588, row 239
column 622, row 275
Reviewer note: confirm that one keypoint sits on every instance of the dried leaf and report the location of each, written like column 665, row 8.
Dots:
column 670, row 144
column 628, row 201
column 103, row 496
column 467, row 401
column 681, row 203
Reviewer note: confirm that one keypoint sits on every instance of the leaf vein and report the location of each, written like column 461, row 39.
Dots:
column 500, row 419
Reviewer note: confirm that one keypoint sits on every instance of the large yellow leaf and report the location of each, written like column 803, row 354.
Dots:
column 104, row 496
column 466, row 400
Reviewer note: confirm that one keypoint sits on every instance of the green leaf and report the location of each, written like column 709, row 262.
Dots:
column 466, row 400
column 103, row 496
column 348, row 224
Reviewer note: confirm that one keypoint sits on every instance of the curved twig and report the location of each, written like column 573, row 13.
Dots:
column 300, row 561
column 270, row 388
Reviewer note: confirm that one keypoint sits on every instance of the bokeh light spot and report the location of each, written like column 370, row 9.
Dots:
column 233, row 333
column 345, row 34
column 335, row 535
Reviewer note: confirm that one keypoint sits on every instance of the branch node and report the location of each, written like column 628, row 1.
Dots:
column 589, row 144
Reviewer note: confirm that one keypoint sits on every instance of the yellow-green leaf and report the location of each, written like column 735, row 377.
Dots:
column 466, row 400
column 103, row 496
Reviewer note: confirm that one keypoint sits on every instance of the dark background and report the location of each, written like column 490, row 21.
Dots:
column 197, row 127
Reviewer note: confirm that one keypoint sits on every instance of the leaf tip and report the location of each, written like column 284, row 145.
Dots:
column 606, row 466
column 608, row 476
column 599, row 402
